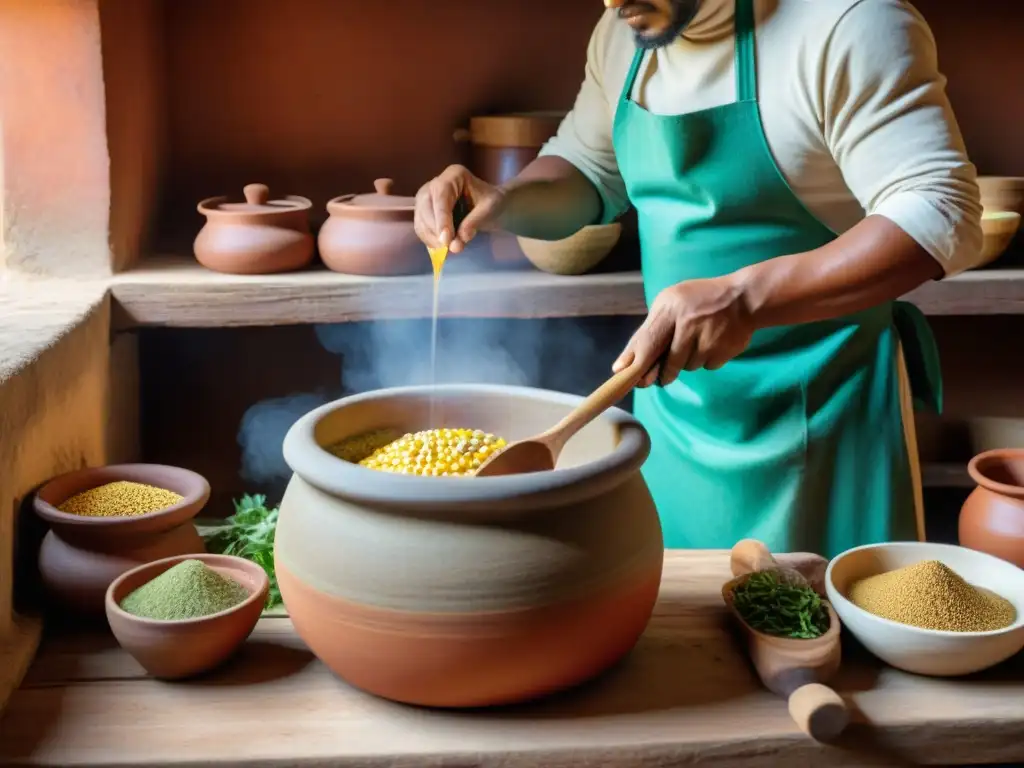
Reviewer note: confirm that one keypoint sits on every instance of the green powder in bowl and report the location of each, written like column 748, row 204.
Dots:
column 189, row 590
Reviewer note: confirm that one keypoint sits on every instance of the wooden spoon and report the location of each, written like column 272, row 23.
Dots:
column 792, row 668
column 540, row 453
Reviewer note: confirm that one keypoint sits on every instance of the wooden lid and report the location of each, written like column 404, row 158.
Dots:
column 517, row 129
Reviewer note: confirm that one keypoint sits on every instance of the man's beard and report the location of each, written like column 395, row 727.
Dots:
column 683, row 12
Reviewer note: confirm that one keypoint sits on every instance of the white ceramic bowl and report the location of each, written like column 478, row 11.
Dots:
column 928, row 651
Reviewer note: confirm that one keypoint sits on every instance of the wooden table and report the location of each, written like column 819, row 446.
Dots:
column 686, row 694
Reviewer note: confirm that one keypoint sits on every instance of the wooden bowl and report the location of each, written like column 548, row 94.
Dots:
column 928, row 651
column 999, row 228
column 176, row 649
column 81, row 556
column 1002, row 193
column 575, row 254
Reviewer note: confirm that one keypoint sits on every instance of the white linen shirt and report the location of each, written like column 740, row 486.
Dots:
column 853, row 105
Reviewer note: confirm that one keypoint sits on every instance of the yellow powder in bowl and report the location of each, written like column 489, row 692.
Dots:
column 931, row 595
column 120, row 499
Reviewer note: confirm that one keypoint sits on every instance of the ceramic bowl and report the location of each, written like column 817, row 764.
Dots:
column 927, row 651
column 80, row 556
column 177, row 649
column 1002, row 193
column 998, row 230
column 575, row 254
column 464, row 591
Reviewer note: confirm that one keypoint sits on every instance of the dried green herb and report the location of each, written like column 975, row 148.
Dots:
column 189, row 590
column 776, row 607
column 249, row 533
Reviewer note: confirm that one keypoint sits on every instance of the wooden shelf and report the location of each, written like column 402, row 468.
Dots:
column 177, row 292
column 686, row 694
column 943, row 475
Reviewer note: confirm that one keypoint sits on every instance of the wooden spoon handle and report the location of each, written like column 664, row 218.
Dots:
column 599, row 401
column 751, row 556
column 818, row 711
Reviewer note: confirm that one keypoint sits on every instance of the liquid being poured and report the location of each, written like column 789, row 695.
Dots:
column 437, row 259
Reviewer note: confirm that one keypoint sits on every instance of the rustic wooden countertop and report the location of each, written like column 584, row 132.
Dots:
column 686, row 694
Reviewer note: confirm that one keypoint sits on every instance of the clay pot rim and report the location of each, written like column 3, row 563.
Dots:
column 208, row 208
column 159, row 567
column 193, row 487
column 337, row 477
column 974, row 469
column 910, row 629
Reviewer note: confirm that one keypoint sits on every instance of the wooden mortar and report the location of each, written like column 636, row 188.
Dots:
column 794, row 669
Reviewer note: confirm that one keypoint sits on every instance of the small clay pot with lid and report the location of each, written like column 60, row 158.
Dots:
column 992, row 518
column 373, row 234
column 258, row 237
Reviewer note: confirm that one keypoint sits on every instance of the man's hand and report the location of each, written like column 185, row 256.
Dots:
column 436, row 200
column 691, row 325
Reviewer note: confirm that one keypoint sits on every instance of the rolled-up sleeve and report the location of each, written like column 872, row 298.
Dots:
column 585, row 136
column 888, row 123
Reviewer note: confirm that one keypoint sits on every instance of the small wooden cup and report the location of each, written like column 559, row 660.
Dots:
column 183, row 648
column 794, row 669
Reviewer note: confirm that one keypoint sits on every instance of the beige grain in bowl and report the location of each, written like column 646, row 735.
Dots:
column 1002, row 193
column 928, row 651
column 575, row 254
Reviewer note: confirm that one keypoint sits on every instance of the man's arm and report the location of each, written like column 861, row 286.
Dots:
column 890, row 127
column 575, row 181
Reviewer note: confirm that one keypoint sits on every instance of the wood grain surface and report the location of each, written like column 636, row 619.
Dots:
column 686, row 694
column 175, row 291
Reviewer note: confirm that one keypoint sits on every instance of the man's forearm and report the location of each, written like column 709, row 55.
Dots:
column 549, row 200
column 872, row 263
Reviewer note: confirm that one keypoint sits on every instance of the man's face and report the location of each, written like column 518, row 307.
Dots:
column 655, row 23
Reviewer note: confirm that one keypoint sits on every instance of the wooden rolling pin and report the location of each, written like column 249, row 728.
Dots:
column 794, row 669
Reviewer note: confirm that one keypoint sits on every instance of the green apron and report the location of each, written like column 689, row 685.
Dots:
column 799, row 441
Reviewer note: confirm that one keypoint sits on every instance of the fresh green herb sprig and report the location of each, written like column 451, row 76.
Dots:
column 775, row 607
column 249, row 533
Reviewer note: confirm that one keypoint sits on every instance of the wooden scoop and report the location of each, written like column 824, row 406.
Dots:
column 540, row 453
column 795, row 669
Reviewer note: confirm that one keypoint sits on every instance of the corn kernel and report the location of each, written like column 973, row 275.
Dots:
column 447, row 452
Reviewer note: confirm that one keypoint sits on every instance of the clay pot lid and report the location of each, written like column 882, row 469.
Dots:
column 380, row 198
column 257, row 201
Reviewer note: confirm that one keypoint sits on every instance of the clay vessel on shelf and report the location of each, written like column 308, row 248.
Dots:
column 992, row 518
column 172, row 650
column 465, row 592
column 372, row 234
column 500, row 147
column 258, row 237
column 80, row 556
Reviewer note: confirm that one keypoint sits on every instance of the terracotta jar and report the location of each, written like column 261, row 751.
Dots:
column 258, row 237
column 80, row 556
column 992, row 518
column 373, row 234
column 503, row 145
column 464, row 592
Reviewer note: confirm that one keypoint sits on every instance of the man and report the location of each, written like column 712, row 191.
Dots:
column 795, row 167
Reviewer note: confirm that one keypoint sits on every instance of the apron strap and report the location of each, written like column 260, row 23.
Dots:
column 746, row 61
column 921, row 355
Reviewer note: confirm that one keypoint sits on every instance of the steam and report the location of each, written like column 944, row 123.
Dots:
column 261, row 435
column 568, row 355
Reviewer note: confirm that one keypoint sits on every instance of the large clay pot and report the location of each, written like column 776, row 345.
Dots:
column 258, row 237
column 457, row 592
column 80, row 556
column 373, row 234
column 992, row 518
